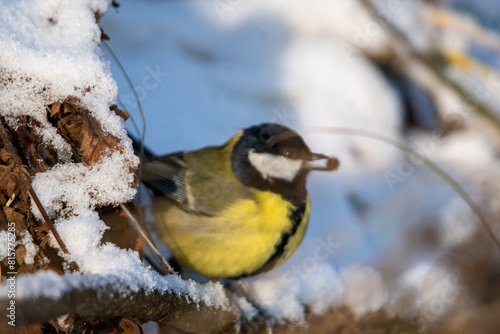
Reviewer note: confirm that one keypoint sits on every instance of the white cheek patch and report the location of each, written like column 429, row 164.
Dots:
column 276, row 166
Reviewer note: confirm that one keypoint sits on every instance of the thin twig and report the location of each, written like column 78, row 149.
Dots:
column 165, row 265
column 141, row 112
column 47, row 219
column 136, row 97
column 432, row 166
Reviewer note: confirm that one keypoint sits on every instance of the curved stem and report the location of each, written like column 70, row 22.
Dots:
column 431, row 165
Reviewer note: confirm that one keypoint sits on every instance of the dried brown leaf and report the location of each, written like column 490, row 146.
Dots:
column 121, row 232
column 70, row 128
column 120, row 112
column 13, row 179
column 55, row 109
column 12, row 215
column 8, row 155
column 85, row 134
column 95, row 140
column 28, row 141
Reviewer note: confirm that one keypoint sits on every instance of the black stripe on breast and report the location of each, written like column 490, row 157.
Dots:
column 296, row 216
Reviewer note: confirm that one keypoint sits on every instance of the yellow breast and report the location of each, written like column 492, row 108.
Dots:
column 238, row 241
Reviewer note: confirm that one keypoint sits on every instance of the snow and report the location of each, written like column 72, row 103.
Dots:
column 55, row 45
column 202, row 71
column 49, row 50
column 26, row 240
column 438, row 288
column 365, row 290
column 67, row 187
column 31, row 248
column 51, row 285
column 247, row 308
column 284, row 294
column 101, row 264
column 4, row 241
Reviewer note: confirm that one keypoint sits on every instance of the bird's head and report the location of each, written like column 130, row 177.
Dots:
column 271, row 154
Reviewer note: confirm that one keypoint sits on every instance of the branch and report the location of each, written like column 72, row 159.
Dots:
column 98, row 297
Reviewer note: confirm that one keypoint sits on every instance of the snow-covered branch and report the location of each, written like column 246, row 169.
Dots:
column 46, row 295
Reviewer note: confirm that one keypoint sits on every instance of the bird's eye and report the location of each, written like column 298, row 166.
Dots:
column 287, row 153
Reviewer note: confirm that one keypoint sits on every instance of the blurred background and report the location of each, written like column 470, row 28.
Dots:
column 388, row 238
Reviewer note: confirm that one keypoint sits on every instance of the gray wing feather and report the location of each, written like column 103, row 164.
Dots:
column 167, row 178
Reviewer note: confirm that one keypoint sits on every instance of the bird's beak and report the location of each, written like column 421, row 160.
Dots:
column 328, row 163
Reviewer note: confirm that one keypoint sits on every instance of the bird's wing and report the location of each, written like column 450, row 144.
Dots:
column 166, row 176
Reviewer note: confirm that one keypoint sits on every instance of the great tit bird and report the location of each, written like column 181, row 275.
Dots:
column 238, row 209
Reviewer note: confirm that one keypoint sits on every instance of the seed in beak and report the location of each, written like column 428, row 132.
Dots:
column 330, row 164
